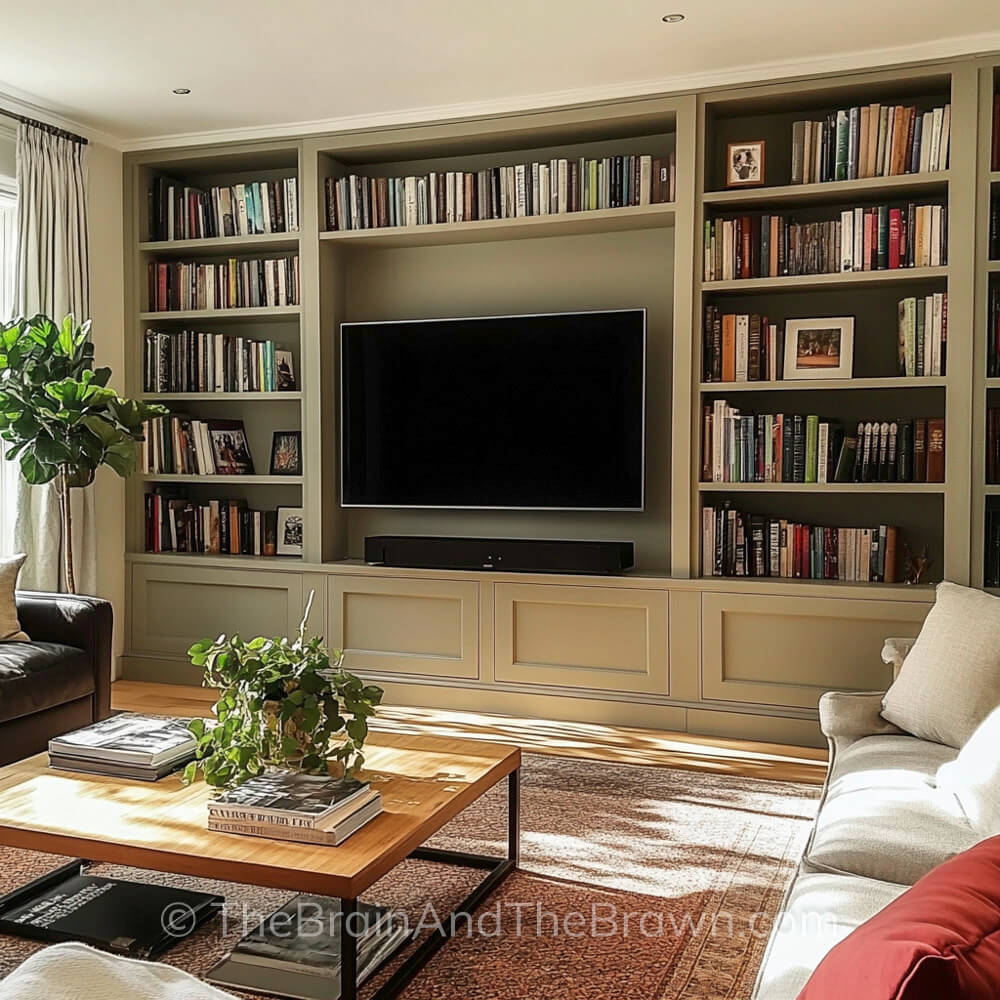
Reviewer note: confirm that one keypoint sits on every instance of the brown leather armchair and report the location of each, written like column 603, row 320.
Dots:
column 61, row 679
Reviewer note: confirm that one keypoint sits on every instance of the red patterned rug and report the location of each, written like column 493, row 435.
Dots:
column 636, row 883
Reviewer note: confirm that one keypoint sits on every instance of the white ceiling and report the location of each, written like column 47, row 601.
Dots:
column 255, row 66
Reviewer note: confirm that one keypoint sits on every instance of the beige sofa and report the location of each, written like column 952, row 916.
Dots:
column 884, row 821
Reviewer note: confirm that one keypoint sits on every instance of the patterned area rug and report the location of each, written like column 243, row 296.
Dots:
column 636, row 883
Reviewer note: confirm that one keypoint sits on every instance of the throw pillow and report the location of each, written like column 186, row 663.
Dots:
column 10, row 627
column 973, row 777
column 950, row 681
column 940, row 939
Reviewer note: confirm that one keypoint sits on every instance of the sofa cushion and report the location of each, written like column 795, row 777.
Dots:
column 10, row 627
column 821, row 910
column 35, row 676
column 939, row 939
column 974, row 777
column 883, row 815
column 950, row 680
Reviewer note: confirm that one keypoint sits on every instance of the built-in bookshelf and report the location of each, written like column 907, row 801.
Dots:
column 860, row 233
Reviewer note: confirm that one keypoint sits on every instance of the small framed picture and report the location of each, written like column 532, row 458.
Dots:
column 745, row 164
column 819, row 348
column 286, row 453
column 290, row 530
column 230, row 448
column 284, row 371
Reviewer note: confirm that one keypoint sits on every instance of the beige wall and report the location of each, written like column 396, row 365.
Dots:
column 107, row 311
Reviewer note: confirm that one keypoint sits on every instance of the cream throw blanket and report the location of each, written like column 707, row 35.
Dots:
column 77, row 972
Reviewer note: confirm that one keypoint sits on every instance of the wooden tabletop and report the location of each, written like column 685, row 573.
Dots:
column 424, row 782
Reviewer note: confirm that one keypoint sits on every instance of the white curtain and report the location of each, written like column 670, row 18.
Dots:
column 8, row 470
column 53, row 277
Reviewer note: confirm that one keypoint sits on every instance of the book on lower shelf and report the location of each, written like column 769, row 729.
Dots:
column 873, row 140
column 744, row 447
column 175, row 523
column 182, row 445
column 236, row 284
column 991, row 555
column 741, row 347
column 551, row 187
column 295, row 952
column 129, row 746
column 739, row 544
column 879, row 238
column 993, row 332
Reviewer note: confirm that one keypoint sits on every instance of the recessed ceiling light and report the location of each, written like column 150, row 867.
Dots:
column 672, row 18
column 182, row 90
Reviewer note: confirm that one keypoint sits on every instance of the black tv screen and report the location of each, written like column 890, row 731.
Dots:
column 528, row 412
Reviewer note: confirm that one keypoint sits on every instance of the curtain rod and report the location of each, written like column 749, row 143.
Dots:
column 45, row 127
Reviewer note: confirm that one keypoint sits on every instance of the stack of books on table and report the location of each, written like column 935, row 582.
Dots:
column 290, row 805
column 141, row 747
column 295, row 952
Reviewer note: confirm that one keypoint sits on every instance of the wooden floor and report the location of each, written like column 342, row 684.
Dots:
column 618, row 744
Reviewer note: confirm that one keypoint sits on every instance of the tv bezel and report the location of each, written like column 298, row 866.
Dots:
column 341, row 436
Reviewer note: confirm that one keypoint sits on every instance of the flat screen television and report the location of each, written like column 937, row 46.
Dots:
column 540, row 412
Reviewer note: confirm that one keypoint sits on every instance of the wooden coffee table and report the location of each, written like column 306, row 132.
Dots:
column 425, row 781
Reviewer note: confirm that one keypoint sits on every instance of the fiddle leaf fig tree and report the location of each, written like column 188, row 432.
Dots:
column 58, row 415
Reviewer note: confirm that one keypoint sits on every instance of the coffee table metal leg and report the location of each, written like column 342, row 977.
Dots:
column 348, row 950
column 514, row 816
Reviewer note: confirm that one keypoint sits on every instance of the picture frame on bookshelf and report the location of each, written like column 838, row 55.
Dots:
column 819, row 348
column 745, row 164
column 284, row 371
column 286, row 453
column 291, row 528
column 230, row 448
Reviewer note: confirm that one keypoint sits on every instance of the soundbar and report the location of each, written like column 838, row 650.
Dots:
column 511, row 555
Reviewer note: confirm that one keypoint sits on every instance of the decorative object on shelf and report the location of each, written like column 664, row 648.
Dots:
column 60, row 417
column 291, row 528
column 230, row 448
column 745, row 164
column 819, row 348
column 284, row 370
column 286, row 453
column 283, row 703
column 915, row 570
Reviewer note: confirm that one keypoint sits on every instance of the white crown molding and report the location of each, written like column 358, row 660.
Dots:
column 22, row 103
column 967, row 46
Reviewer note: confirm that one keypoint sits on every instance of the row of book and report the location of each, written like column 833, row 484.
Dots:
column 993, row 445
column 862, row 239
column 993, row 333
column 182, row 445
column 873, row 140
column 740, row 447
column 994, row 238
column 740, row 544
column 187, row 361
column 922, row 335
column 991, row 566
column 217, row 527
column 995, row 138
column 741, row 347
column 178, row 211
column 554, row 187
column 236, row 284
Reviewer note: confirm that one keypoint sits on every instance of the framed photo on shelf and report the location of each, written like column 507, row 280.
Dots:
column 284, row 371
column 290, row 530
column 229, row 448
column 745, row 164
column 286, row 453
column 819, row 348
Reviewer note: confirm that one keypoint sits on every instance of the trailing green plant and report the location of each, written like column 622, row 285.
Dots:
column 58, row 414
column 282, row 702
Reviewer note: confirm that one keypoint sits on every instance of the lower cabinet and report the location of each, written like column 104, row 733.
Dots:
column 786, row 651
column 420, row 627
column 173, row 607
column 603, row 638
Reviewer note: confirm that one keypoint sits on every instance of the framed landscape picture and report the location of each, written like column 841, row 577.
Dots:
column 745, row 164
column 290, row 531
column 819, row 348
column 286, row 453
column 230, row 448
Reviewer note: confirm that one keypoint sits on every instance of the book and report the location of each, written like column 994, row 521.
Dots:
column 141, row 740
column 919, row 451
column 935, row 450
column 330, row 834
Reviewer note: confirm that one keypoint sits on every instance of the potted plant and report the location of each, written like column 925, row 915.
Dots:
column 282, row 702
column 60, row 417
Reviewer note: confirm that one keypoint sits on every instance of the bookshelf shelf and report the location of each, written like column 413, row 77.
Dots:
column 213, row 560
column 223, row 244
column 242, row 480
column 790, row 385
column 607, row 220
column 815, row 282
column 862, row 189
column 821, row 487
column 258, row 312
column 993, row 266
column 994, row 177
column 991, row 490
column 248, row 397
